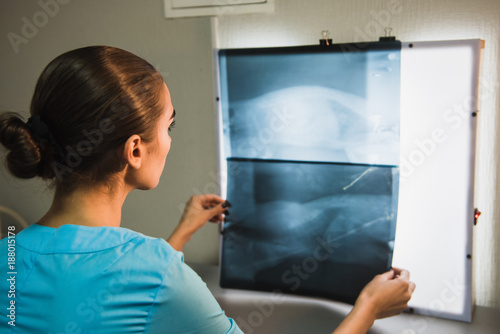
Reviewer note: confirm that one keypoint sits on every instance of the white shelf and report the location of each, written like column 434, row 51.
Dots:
column 193, row 8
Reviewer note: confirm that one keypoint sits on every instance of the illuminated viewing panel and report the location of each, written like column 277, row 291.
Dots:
column 341, row 161
column 439, row 95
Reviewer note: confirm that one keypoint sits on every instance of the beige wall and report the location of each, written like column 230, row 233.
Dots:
column 300, row 22
column 182, row 50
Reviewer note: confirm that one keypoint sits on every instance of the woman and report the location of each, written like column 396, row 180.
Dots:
column 99, row 128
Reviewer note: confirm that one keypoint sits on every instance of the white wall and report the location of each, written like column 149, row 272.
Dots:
column 182, row 50
column 297, row 22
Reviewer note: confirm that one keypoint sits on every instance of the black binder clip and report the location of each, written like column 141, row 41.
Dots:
column 387, row 37
column 325, row 41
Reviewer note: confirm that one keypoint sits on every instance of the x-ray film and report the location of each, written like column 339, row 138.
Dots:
column 311, row 146
column 313, row 104
column 310, row 228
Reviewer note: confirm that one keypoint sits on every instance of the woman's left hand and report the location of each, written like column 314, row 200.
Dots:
column 199, row 209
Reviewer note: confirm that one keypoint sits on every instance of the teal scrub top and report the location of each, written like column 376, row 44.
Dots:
column 80, row 279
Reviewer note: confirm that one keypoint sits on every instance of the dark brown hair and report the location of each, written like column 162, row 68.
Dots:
column 91, row 100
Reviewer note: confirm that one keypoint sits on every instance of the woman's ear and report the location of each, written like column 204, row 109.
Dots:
column 133, row 152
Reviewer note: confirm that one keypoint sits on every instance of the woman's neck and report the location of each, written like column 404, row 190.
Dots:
column 96, row 207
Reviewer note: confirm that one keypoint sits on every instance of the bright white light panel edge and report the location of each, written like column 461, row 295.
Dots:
column 439, row 87
column 439, row 94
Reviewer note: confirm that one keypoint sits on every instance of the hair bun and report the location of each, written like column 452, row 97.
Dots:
column 25, row 157
column 42, row 134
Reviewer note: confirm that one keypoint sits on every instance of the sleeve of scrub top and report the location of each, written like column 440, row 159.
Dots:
column 184, row 305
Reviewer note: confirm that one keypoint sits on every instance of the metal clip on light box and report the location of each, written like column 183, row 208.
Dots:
column 325, row 41
column 387, row 37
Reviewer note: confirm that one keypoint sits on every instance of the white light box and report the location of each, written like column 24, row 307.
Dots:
column 378, row 114
column 439, row 94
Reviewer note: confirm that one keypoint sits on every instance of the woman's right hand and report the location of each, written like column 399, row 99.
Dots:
column 386, row 295
column 198, row 211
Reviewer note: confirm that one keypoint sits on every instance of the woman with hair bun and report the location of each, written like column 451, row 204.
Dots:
column 99, row 128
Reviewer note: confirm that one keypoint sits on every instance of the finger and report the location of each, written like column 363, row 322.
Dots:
column 405, row 274
column 219, row 218
column 216, row 219
column 215, row 203
column 208, row 202
column 217, row 211
column 212, row 198
column 388, row 275
column 397, row 271
column 412, row 287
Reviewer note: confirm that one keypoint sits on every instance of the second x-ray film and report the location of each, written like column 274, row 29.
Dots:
column 311, row 228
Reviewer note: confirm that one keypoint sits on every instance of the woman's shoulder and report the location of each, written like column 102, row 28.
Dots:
column 78, row 239
column 148, row 257
column 147, row 245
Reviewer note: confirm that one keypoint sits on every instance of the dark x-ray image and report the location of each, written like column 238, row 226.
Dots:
column 311, row 140
column 310, row 228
